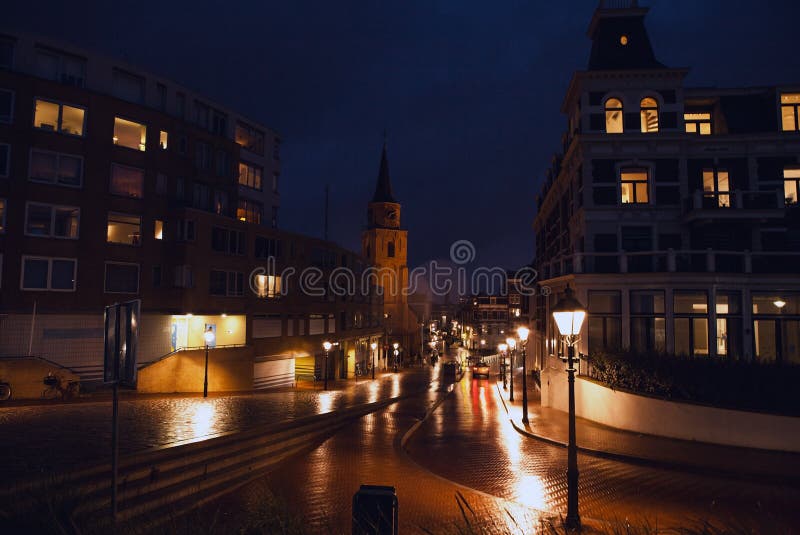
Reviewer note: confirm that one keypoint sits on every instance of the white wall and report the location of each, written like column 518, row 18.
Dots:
column 671, row 419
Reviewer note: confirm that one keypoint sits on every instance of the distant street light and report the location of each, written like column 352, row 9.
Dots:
column 569, row 314
column 373, row 346
column 512, row 344
column 209, row 337
column 327, row 346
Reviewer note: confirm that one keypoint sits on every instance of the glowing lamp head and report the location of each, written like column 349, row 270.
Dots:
column 374, row 346
column 502, row 348
column 483, row 342
column 569, row 314
column 395, row 345
column 780, row 303
column 511, row 342
column 209, row 336
column 523, row 333
column 327, row 345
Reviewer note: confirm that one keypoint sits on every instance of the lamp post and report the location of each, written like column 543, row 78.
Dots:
column 512, row 344
column 502, row 348
column 327, row 346
column 396, row 353
column 209, row 338
column 373, row 346
column 523, row 332
column 569, row 314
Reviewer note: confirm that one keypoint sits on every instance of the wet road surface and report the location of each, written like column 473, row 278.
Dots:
column 61, row 436
column 469, row 440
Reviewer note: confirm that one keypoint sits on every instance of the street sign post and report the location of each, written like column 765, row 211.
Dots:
column 120, row 343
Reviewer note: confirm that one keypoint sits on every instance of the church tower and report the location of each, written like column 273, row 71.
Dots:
column 385, row 245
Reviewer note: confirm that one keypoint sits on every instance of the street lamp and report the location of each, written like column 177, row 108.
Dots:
column 373, row 346
column 396, row 352
column 523, row 332
column 569, row 314
column 327, row 346
column 209, row 338
column 512, row 344
column 502, row 348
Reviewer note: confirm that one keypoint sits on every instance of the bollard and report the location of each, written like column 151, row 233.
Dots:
column 375, row 511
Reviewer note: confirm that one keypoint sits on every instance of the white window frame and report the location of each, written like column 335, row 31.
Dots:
column 50, row 260
column 58, row 155
column 11, row 111
column 105, row 276
column 61, row 105
column 53, row 208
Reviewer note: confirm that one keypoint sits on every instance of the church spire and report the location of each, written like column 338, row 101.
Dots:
column 383, row 190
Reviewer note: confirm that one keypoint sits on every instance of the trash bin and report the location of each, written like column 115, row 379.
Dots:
column 375, row 511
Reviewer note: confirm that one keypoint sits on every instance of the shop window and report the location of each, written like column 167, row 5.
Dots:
column 124, row 229
column 129, row 134
column 614, row 116
column 648, row 110
column 57, row 117
column 634, row 186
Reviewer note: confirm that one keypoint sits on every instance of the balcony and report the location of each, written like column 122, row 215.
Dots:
column 737, row 204
column 672, row 261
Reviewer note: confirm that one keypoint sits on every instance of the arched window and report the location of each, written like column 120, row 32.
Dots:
column 614, row 116
column 649, row 112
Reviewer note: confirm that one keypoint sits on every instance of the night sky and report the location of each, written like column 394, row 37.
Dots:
column 470, row 92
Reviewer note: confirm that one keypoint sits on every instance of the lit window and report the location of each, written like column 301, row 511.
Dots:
column 125, row 229
column 129, row 134
column 791, row 185
column 159, row 230
column 55, row 274
column 268, row 286
column 249, row 138
column 56, row 168
column 698, row 123
column 649, row 113
column 634, row 186
column 50, row 221
column 162, row 140
column 250, row 175
column 126, row 181
column 59, row 117
column 790, row 103
column 717, row 187
column 249, row 211
column 614, row 116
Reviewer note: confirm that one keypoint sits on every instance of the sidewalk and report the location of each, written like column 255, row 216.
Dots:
column 551, row 425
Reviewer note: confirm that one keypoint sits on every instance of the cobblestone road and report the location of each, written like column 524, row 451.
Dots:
column 469, row 440
column 61, row 436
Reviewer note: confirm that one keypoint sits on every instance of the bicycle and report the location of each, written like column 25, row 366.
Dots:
column 57, row 389
column 5, row 391
column 361, row 371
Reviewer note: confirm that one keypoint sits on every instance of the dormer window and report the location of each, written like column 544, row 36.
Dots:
column 698, row 123
column 790, row 105
column 614, row 116
column 649, row 113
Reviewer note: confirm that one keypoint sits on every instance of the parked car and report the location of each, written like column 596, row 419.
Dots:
column 480, row 368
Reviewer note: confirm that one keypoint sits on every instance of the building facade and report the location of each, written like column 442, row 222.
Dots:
column 116, row 185
column 672, row 211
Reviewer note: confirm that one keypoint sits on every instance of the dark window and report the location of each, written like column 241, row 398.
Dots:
column 156, row 276
column 390, row 249
column 267, row 247
column 227, row 241
column 122, row 278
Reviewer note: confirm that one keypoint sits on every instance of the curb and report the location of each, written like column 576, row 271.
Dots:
column 654, row 463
